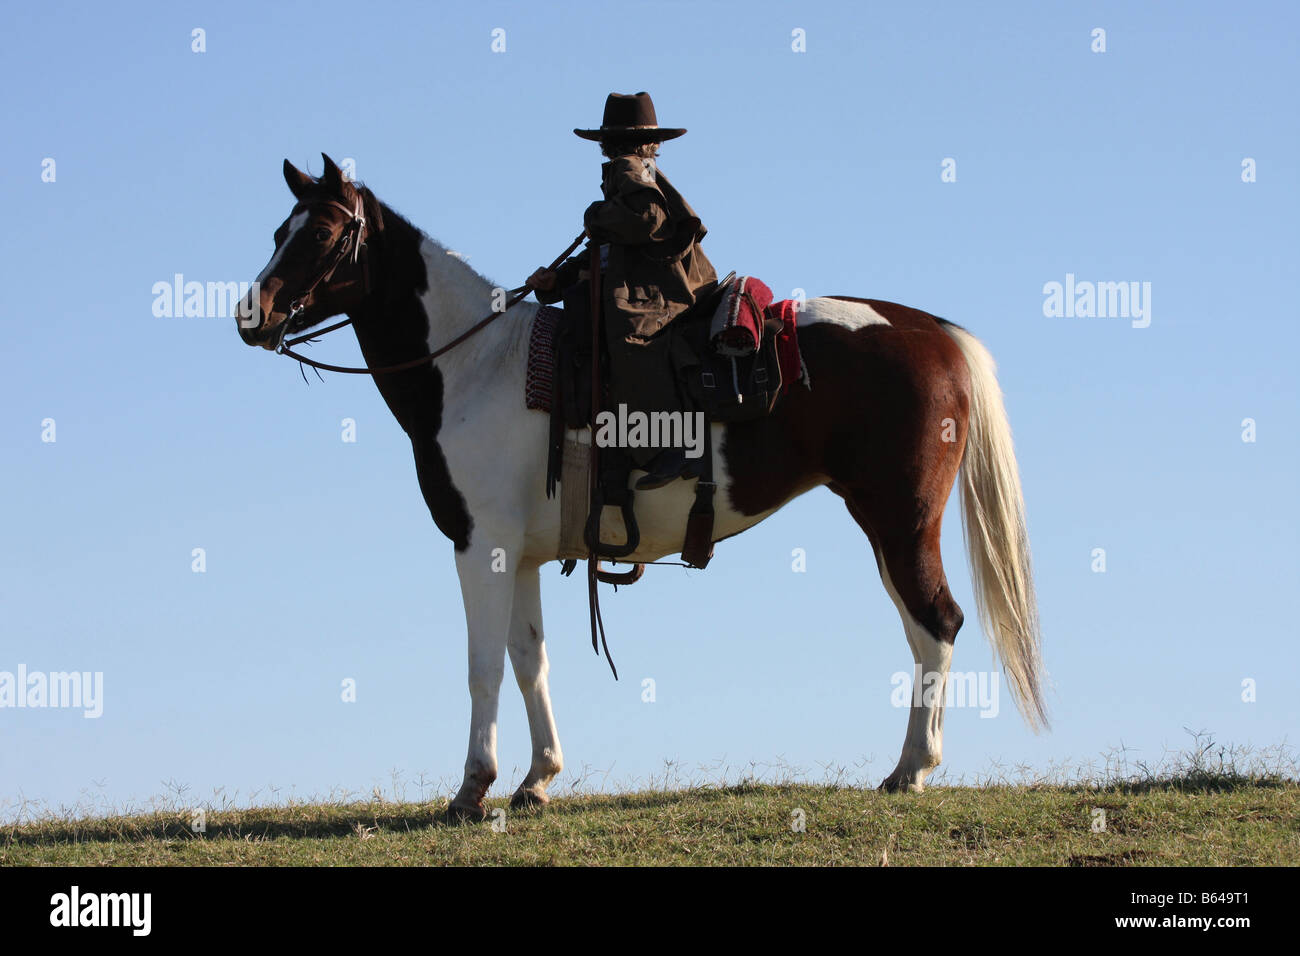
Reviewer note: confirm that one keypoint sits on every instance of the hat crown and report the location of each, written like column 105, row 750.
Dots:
column 629, row 111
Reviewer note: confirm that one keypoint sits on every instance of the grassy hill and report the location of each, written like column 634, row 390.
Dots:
column 1207, row 822
column 1212, row 805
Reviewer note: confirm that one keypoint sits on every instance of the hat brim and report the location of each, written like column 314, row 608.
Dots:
column 657, row 134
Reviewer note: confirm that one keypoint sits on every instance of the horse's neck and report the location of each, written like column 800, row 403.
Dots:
column 424, row 297
column 457, row 299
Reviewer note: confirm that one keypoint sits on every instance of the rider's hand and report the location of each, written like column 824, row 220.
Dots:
column 543, row 280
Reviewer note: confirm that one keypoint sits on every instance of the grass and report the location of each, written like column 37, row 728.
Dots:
column 1232, row 808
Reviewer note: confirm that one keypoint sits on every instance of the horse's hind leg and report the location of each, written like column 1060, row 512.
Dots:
column 912, row 573
column 911, row 569
column 528, row 656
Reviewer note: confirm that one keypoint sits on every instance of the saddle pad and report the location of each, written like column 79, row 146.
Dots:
column 541, row 359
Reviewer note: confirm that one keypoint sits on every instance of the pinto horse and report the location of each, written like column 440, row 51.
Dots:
column 901, row 402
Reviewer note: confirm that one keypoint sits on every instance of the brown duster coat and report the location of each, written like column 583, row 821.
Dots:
column 655, row 268
column 654, row 271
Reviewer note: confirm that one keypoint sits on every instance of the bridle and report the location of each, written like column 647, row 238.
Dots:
column 352, row 243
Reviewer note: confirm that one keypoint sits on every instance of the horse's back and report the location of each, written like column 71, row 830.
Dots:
column 877, row 352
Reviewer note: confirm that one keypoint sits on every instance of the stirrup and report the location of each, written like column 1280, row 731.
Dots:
column 592, row 531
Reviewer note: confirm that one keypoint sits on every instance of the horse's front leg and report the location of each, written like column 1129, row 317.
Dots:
column 487, row 585
column 528, row 655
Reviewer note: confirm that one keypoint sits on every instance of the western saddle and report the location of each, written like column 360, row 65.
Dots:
column 725, row 387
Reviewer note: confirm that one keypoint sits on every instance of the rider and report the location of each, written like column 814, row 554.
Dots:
column 652, row 270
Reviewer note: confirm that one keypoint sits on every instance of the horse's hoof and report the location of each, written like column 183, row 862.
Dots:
column 529, row 799
column 466, row 813
column 900, row 783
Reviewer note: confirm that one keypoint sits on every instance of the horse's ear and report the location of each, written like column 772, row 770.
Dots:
column 333, row 178
column 299, row 182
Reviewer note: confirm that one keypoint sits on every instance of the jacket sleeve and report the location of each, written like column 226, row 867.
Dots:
column 566, row 274
column 634, row 211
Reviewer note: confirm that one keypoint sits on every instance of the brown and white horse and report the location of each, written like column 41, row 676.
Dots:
column 901, row 403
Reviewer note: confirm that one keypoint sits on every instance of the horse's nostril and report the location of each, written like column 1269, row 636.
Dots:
column 248, row 332
column 248, row 318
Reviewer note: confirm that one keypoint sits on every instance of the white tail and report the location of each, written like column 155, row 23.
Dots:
column 997, row 541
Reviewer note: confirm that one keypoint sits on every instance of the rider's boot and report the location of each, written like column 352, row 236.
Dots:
column 664, row 468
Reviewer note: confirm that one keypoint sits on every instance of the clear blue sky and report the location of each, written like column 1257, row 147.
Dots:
column 817, row 170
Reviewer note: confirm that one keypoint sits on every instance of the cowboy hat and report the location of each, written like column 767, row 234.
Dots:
column 630, row 116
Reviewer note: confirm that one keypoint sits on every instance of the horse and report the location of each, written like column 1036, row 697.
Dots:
column 900, row 404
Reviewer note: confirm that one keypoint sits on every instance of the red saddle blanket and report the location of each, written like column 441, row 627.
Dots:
column 737, row 328
column 541, row 351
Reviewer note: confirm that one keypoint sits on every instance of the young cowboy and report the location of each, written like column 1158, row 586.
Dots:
column 652, row 269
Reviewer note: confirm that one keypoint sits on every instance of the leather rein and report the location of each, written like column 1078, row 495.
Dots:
column 352, row 243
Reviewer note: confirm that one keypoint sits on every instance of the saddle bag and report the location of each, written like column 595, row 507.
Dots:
column 743, row 384
column 736, row 389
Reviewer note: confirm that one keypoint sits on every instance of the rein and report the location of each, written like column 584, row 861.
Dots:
column 351, row 241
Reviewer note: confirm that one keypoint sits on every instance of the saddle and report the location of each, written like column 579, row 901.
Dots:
column 734, row 354
column 727, row 364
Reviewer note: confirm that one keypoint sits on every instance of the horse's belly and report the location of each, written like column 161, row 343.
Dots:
column 661, row 516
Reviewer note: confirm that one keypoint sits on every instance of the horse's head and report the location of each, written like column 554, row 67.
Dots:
column 318, row 269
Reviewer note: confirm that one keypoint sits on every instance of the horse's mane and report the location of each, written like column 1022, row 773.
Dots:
column 401, row 241
column 389, row 218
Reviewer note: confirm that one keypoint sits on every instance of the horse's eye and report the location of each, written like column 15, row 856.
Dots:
column 322, row 234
